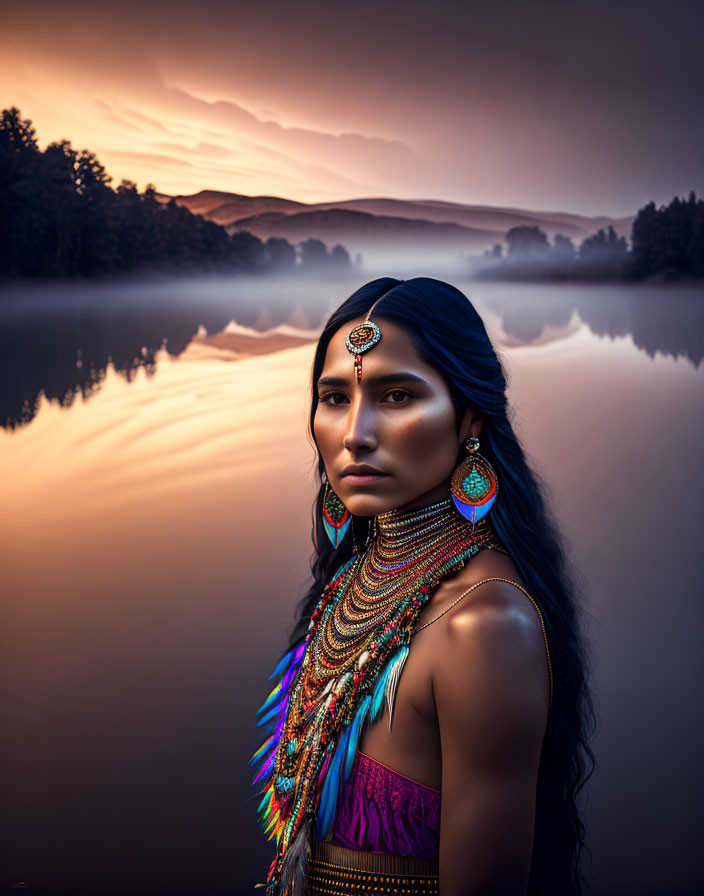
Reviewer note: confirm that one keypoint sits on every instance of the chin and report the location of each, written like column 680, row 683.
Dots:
column 369, row 505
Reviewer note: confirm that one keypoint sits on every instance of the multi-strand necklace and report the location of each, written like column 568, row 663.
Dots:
column 338, row 680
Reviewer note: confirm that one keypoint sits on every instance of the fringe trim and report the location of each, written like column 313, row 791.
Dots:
column 352, row 859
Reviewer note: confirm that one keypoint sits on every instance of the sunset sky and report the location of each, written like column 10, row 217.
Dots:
column 590, row 107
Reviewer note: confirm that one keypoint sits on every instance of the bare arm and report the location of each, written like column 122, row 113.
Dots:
column 491, row 693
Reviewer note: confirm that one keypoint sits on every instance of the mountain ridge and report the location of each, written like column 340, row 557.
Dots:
column 373, row 223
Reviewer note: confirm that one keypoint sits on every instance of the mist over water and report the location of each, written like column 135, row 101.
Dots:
column 59, row 340
column 156, row 537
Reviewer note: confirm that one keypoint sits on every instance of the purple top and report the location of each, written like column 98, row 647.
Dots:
column 383, row 811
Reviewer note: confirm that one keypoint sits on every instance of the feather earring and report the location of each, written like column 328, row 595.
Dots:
column 474, row 485
column 336, row 517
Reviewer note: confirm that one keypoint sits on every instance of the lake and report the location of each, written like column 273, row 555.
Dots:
column 156, row 484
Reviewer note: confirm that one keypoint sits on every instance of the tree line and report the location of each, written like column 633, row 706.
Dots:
column 666, row 243
column 60, row 218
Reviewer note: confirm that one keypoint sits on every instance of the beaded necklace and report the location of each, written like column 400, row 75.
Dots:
column 336, row 682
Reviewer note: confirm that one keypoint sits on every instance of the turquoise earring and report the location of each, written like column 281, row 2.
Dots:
column 336, row 517
column 474, row 485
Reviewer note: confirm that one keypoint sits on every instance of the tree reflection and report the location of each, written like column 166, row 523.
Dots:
column 62, row 348
column 658, row 319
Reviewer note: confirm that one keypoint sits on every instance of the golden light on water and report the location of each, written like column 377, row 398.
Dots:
column 196, row 422
column 156, row 539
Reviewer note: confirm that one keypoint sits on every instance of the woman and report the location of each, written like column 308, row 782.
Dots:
column 436, row 558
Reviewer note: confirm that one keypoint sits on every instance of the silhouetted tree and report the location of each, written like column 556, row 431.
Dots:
column 280, row 254
column 604, row 255
column 563, row 250
column 18, row 132
column 526, row 242
column 313, row 254
column 58, row 252
column 248, row 251
column 494, row 256
column 669, row 242
column 20, row 193
column 60, row 217
column 339, row 257
column 603, row 241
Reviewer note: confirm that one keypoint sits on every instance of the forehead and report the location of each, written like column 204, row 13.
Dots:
column 394, row 352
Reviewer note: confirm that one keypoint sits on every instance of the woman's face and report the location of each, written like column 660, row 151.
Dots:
column 390, row 441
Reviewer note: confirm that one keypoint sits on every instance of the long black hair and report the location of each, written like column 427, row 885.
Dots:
column 450, row 335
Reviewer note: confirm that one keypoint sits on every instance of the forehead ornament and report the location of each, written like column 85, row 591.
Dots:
column 362, row 338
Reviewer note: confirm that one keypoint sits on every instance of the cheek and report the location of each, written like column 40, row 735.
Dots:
column 319, row 433
column 325, row 434
column 429, row 437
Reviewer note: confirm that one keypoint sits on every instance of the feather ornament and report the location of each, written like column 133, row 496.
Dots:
column 396, row 668
column 336, row 682
column 294, row 869
column 331, row 786
column 268, row 743
column 355, row 729
column 266, row 768
column 282, row 665
column 336, row 771
column 272, row 715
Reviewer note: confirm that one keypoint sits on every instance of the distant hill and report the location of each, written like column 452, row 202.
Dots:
column 226, row 208
column 364, row 225
column 361, row 231
column 486, row 217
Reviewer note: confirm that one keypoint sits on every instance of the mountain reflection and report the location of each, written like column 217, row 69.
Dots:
column 668, row 320
column 60, row 345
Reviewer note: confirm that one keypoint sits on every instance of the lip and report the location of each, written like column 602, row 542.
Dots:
column 362, row 470
column 367, row 479
column 362, row 474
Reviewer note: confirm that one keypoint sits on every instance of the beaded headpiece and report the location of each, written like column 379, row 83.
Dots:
column 362, row 338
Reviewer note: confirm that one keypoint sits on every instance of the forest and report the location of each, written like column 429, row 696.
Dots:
column 667, row 243
column 61, row 218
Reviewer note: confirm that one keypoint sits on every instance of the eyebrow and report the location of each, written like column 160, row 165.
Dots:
column 381, row 380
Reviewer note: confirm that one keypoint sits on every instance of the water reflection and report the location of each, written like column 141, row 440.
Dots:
column 59, row 341
column 668, row 320
column 155, row 539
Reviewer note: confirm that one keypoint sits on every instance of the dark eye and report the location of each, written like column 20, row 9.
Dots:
column 332, row 398
column 397, row 396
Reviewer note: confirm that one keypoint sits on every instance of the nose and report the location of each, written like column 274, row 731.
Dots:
column 361, row 428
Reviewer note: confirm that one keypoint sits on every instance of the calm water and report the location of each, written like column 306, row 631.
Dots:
column 155, row 538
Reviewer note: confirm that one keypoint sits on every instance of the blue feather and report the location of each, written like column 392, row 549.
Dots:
column 270, row 699
column 354, row 730
column 265, row 747
column 331, row 787
column 266, row 799
column 273, row 711
column 283, row 663
column 266, row 768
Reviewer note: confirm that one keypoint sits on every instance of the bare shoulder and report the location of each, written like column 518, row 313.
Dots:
column 487, row 597
column 487, row 564
column 498, row 604
column 489, row 646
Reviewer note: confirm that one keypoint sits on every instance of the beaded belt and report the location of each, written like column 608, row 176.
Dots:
column 337, row 871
